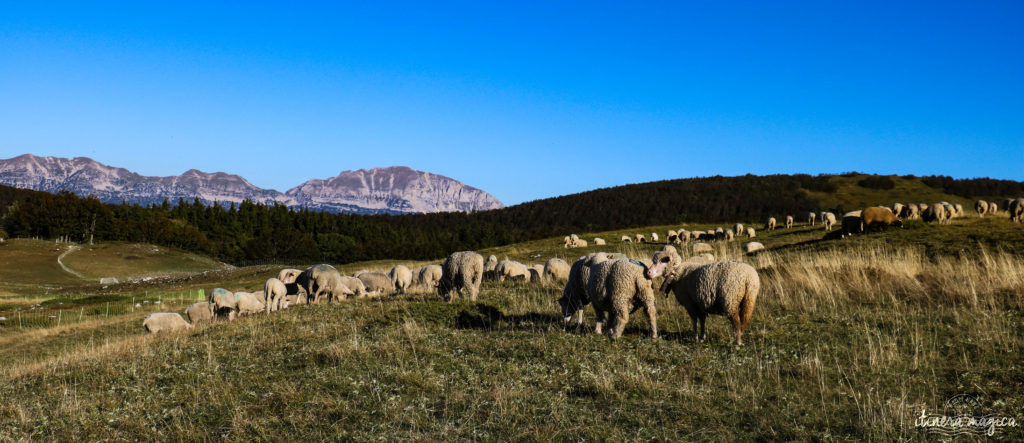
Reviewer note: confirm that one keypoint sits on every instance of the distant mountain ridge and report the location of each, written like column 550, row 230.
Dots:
column 394, row 190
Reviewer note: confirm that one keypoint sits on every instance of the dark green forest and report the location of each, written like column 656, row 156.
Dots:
column 251, row 232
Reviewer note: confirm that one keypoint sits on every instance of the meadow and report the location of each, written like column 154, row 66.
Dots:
column 851, row 339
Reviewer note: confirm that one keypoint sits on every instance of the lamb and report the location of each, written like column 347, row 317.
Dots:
column 626, row 239
column 789, row 221
column 738, row 228
column 982, row 207
column 513, row 270
column 751, row 233
column 249, row 303
column 829, row 219
column 640, row 238
column 598, row 241
column 574, row 296
column 879, row 216
column 490, row 266
column 654, row 237
column 701, row 247
column 165, row 321
column 429, row 276
column 461, row 271
column 401, row 278
column 224, row 303
column 556, row 270
column 810, row 218
column 770, row 226
column 618, row 288
column 378, row 283
column 200, row 312
column 288, row 275
column 726, row 288
column 276, row 291
column 752, row 247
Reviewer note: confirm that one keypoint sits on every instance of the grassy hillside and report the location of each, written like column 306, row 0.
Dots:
column 851, row 339
column 126, row 261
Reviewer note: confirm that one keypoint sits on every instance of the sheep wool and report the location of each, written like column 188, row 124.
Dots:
column 461, row 271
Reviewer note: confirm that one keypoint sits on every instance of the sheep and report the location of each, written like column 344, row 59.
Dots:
column 401, row 278
column 726, row 288
column 288, row 275
column 377, row 283
column 275, row 291
column 640, row 238
column 982, row 207
column 751, row 233
column 1016, row 210
column 701, row 247
column 992, row 208
column 936, row 212
column 671, row 236
column 618, row 288
column 574, row 296
column 879, row 216
column 535, row 274
column 354, row 285
column 249, row 303
column 626, row 239
column 752, row 247
column 490, row 266
column 598, row 241
column 829, row 219
column 719, row 233
column 654, row 237
column 851, row 224
column 224, row 303
column 429, row 276
column 810, row 218
column 200, row 312
column 556, row 270
column 897, row 208
column 461, row 271
column 910, row 212
column 789, row 221
column 580, row 244
column 165, row 321
column 770, row 226
column 513, row 270
column 321, row 281
column 702, row 258
column 729, row 235
column 738, row 228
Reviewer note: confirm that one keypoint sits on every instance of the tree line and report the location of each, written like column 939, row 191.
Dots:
column 254, row 231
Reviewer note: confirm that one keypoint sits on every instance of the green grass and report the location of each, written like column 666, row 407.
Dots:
column 851, row 340
column 131, row 261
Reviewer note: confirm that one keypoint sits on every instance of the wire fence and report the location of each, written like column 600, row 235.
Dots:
column 65, row 309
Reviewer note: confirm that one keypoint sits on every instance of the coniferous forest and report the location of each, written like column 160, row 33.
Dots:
column 250, row 232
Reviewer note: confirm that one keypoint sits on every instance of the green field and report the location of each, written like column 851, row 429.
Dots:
column 851, row 339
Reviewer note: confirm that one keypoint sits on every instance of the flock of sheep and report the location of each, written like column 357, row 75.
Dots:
column 613, row 284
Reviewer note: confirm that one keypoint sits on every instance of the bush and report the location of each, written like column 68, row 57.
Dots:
column 876, row 182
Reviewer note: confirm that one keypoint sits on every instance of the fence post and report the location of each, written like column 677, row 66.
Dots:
column 80, row 314
column 133, row 303
column 108, row 310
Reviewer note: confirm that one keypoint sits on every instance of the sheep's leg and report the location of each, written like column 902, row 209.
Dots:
column 652, row 314
column 703, row 328
column 599, row 321
column 617, row 323
column 693, row 320
column 737, row 327
column 579, row 317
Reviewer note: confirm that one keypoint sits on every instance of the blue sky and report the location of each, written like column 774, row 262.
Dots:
column 524, row 100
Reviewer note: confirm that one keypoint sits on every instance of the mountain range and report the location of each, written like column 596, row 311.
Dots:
column 391, row 190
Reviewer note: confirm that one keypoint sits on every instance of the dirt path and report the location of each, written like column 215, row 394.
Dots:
column 60, row 261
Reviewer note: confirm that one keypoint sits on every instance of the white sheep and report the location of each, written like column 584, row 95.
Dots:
column 165, row 321
column 574, row 296
column 492, row 264
column 751, row 233
column 671, row 236
column 429, row 276
column 616, row 289
column 752, row 247
column 829, row 219
column 377, row 283
column 810, row 218
column 640, row 238
column 275, row 291
column 200, row 312
column 512, row 270
column 626, row 239
column 250, row 303
column 738, row 229
column 461, row 271
column 727, row 288
column 701, row 247
column 556, row 270
column 401, row 278
column 598, row 241
column 770, row 226
column 789, row 221
column 654, row 237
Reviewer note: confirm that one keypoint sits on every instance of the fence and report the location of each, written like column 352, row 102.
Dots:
column 68, row 309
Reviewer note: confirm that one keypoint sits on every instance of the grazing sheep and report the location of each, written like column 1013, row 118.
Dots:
column 701, row 247
column 224, row 302
column 910, row 212
column 671, row 236
column 654, row 237
column 897, row 208
column 275, row 291
column 851, row 224
column 751, row 233
column 165, row 321
column 378, row 283
column 556, row 270
column 618, row 288
column 598, row 241
column 719, row 233
column 1016, row 210
column 992, row 208
column 512, row 270
column 726, row 288
column 580, row 244
column 574, row 296
column 201, row 312
column 811, row 217
column 250, row 303
column 401, row 278
column 729, row 235
column 770, row 226
column 354, row 286
column 753, row 246
column 490, row 266
column 738, row 228
column 461, row 271
column 429, row 276
column 702, row 258
column 535, row 275
column 626, row 239
column 982, row 207
column 640, row 238
column 789, row 221
column 829, row 219
column 936, row 212
column 321, row 281
column 875, row 216
column 288, row 275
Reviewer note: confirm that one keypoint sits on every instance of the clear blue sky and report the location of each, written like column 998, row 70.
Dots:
column 524, row 100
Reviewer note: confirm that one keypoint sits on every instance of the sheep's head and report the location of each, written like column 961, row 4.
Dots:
column 898, row 222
